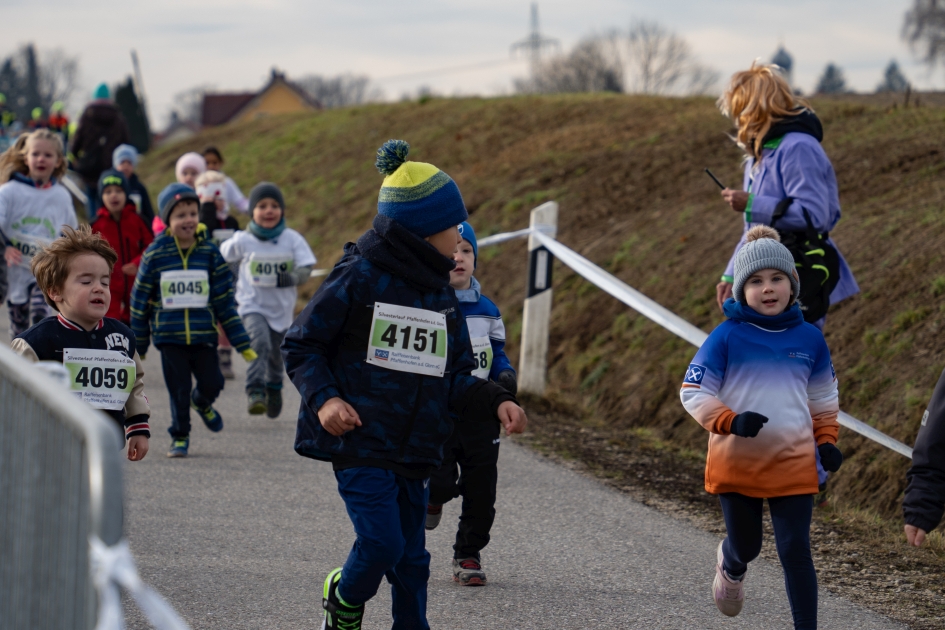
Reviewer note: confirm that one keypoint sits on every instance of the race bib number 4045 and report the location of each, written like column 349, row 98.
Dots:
column 408, row 339
column 102, row 378
column 185, row 289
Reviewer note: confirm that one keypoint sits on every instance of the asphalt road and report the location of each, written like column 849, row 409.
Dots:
column 241, row 534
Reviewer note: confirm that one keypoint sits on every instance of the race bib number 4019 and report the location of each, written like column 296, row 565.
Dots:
column 264, row 269
column 185, row 289
column 102, row 378
column 408, row 339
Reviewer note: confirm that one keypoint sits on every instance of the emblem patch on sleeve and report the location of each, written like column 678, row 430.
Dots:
column 695, row 374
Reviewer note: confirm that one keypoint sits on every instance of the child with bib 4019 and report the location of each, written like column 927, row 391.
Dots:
column 272, row 260
column 382, row 359
column 763, row 385
column 184, row 289
column 471, row 456
column 98, row 352
column 34, row 207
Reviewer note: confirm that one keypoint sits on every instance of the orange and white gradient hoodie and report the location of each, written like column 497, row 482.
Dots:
column 779, row 367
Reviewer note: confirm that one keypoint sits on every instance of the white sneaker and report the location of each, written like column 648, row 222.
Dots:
column 729, row 595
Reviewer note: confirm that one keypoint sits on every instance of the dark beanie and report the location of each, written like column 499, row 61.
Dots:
column 265, row 190
column 111, row 177
column 172, row 195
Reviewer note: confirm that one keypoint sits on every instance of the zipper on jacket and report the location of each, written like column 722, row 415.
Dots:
column 184, row 258
column 413, row 419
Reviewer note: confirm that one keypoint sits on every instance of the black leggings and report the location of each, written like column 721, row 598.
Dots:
column 791, row 518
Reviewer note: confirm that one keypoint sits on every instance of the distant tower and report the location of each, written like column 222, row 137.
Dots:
column 535, row 43
column 784, row 59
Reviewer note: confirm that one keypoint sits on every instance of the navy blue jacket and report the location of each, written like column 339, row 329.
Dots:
column 405, row 417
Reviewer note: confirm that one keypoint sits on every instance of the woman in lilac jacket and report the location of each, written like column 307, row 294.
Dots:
column 781, row 136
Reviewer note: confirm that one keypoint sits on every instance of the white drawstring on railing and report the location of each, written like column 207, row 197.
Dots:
column 663, row 316
column 115, row 566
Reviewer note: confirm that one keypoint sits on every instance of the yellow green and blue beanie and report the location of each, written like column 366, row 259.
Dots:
column 418, row 196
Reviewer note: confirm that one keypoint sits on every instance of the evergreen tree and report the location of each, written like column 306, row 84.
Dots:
column 893, row 79
column 131, row 108
column 832, row 81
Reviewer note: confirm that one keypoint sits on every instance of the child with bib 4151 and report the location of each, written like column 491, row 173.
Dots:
column 273, row 260
column 763, row 385
column 183, row 290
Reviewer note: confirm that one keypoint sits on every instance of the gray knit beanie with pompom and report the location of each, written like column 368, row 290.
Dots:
column 763, row 250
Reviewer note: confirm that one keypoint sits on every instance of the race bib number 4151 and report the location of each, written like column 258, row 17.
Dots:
column 185, row 289
column 408, row 339
column 102, row 378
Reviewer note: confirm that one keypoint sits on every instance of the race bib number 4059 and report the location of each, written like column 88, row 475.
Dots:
column 185, row 289
column 408, row 339
column 102, row 378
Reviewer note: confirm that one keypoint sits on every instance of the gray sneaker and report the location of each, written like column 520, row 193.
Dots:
column 468, row 572
column 434, row 514
column 729, row 594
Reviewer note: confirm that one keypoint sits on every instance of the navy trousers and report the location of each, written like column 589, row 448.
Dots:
column 388, row 513
column 791, row 518
column 181, row 364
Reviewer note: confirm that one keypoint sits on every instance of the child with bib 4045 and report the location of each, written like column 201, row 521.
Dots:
column 184, row 289
column 471, row 456
column 382, row 359
column 34, row 207
column 272, row 260
column 99, row 352
column 763, row 385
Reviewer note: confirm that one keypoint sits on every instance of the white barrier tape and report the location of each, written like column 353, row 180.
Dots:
column 319, row 272
column 680, row 327
column 495, row 239
column 113, row 567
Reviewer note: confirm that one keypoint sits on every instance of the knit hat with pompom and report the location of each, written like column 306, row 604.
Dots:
column 763, row 250
column 418, row 196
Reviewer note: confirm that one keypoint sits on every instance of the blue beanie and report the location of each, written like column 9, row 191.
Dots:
column 418, row 196
column 102, row 92
column 467, row 233
column 111, row 177
column 124, row 152
column 171, row 196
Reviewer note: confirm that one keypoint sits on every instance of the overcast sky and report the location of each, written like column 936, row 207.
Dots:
column 233, row 44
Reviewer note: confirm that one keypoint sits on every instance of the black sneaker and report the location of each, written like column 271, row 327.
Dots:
column 434, row 514
column 210, row 416
column 273, row 402
column 257, row 402
column 468, row 572
column 338, row 614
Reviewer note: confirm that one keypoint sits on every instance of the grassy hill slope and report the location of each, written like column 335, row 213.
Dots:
column 627, row 172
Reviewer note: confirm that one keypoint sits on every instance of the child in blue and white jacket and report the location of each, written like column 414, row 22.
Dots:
column 471, row 455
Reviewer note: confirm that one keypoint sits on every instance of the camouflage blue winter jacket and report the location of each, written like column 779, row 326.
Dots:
column 405, row 416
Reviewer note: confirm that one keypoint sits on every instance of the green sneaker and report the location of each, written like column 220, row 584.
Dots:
column 210, row 416
column 179, row 447
column 339, row 615
column 257, row 402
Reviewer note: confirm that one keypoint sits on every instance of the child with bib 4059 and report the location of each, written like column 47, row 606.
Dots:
column 763, row 385
column 471, row 456
column 382, row 359
column 184, row 289
column 34, row 207
column 99, row 352
column 273, row 260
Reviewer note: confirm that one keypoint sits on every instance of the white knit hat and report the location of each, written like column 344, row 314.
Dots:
column 763, row 250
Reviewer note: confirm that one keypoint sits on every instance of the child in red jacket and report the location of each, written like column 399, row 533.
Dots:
column 119, row 223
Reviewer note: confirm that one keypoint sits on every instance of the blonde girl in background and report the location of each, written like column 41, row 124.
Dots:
column 34, row 207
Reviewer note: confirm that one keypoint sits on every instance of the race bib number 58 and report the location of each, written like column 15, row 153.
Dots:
column 408, row 339
column 102, row 378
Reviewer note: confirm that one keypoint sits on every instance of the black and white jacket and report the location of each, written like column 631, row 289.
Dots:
column 46, row 340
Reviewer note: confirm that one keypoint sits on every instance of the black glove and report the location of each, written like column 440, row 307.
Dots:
column 747, row 424
column 285, row 279
column 830, row 457
column 507, row 380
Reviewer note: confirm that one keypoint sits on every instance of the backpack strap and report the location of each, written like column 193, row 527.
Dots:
column 781, row 208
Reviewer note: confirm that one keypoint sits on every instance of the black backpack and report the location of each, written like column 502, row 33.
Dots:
column 816, row 260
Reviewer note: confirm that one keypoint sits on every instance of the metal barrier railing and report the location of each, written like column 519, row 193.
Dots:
column 543, row 237
column 60, row 484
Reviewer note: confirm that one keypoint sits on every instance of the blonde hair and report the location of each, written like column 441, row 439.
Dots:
column 210, row 177
column 51, row 265
column 754, row 100
column 13, row 160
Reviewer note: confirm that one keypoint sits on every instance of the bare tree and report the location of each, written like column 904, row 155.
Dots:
column 924, row 28
column 662, row 62
column 58, row 76
column 188, row 104
column 29, row 79
column 340, row 91
column 594, row 65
